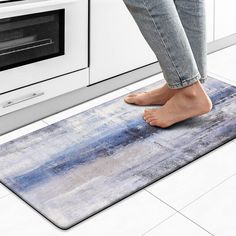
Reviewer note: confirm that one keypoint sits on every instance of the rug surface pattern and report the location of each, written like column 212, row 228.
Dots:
column 70, row 170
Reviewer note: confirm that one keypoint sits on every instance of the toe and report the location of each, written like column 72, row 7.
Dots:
column 153, row 122
column 160, row 123
column 149, row 119
column 132, row 95
column 135, row 99
column 129, row 99
column 135, row 94
column 147, row 116
column 156, row 122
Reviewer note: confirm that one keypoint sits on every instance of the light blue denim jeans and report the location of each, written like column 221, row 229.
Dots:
column 176, row 32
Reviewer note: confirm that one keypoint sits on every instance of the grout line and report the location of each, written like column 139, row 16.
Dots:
column 149, row 230
column 175, row 214
column 179, row 211
column 202, row 195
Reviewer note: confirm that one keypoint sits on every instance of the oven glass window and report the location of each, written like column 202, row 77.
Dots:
column 30, row 38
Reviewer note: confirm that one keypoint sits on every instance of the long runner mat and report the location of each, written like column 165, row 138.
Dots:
column 73, row 169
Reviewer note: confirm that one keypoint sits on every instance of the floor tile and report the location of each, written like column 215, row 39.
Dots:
column 216, row 210
column 223, row 62
column 85, row 106
column 132, row 216
column 4, row 191
column 187, row 184
column 145, row 82
column 177, row 225
column 22, row 131
column 219, row 77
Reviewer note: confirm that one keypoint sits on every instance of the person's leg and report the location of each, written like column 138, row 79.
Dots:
column 192, row 14
column 159, row 22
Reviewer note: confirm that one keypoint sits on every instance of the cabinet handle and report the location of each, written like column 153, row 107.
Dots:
column 22, row 99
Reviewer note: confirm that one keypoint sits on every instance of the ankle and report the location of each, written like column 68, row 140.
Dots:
column 192, row 91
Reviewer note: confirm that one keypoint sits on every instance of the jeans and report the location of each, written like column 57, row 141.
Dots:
column 176, row 32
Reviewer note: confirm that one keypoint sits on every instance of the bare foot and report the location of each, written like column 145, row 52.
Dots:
column 157, row 96
column 186, row 103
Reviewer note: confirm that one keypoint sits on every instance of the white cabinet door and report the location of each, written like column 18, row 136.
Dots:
column 116, row 44
column 210, row 20
column 225, row 18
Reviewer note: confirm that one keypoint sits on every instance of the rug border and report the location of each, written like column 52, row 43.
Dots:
column 119, row 200
column 137, row 190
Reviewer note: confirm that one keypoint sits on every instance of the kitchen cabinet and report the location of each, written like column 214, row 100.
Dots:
column 116, row 44
column 34, row 94
column 116, row 47
column 41, row 40
column 225, row 18
column 210, row 19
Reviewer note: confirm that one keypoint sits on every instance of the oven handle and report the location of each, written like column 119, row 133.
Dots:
column 22, row 99
column 25, row 5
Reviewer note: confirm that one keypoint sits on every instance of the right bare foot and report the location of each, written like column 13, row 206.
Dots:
column 157, row 96
column 186, row 103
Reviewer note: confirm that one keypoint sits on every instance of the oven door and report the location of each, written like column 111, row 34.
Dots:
column 41, row 40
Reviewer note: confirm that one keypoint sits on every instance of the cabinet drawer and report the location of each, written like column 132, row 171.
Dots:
column 21, row 98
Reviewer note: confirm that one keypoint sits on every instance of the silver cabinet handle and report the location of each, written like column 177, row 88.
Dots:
column 22, row 99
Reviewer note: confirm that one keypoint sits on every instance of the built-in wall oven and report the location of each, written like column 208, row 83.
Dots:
column 41, row 40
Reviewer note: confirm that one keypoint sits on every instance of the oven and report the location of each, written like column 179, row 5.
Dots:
column 41, row 40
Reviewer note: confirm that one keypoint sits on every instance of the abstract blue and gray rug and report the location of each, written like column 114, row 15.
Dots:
column 73, row 169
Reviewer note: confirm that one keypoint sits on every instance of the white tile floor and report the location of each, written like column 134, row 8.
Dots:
column 197, row 200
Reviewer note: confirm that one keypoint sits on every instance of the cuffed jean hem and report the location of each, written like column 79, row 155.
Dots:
column 203, row 80
column 185, row 83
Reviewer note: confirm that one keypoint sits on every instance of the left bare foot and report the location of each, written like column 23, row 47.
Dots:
column 186, row 103
column 158, row 96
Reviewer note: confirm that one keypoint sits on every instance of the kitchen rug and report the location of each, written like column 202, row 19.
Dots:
column 73, row 169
